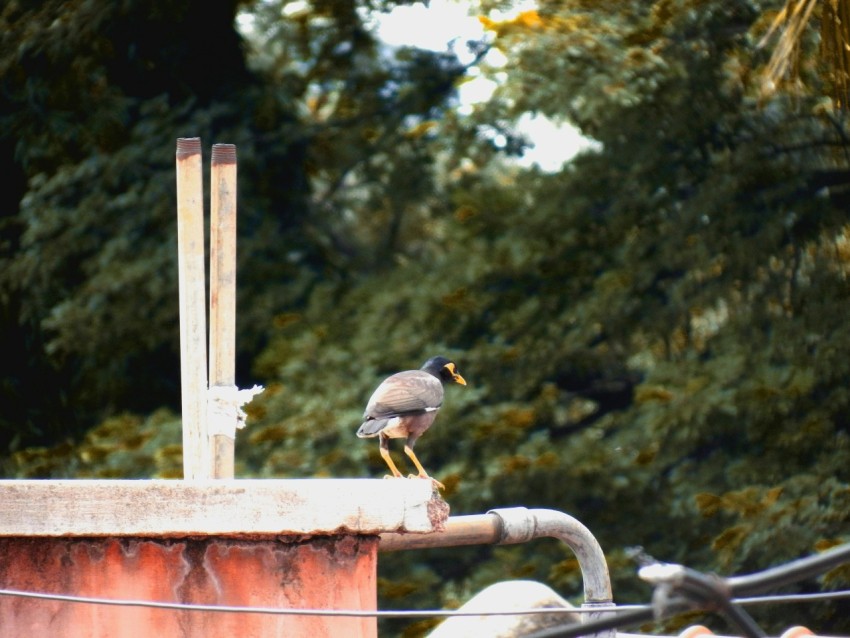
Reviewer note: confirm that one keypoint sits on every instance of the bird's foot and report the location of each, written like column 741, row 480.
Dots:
column 430, row 478
column 392, row 476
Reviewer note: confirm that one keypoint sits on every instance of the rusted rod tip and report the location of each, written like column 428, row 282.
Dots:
column 224, row 154
column 188, row 146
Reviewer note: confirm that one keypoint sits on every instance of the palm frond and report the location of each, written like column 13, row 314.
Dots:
column 835, row 48
column 790, row 24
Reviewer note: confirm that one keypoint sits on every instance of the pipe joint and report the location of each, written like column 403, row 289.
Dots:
column 517, row 525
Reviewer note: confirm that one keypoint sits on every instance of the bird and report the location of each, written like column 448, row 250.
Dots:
column 405, row 405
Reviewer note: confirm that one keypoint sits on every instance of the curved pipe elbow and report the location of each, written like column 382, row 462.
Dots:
column 509, row 526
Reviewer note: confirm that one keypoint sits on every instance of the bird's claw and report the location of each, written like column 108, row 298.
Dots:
column 430, row 478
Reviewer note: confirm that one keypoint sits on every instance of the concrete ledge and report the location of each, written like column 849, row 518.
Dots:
column 239, row 507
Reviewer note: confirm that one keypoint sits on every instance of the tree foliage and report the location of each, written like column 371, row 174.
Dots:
column 95, row 93
column 653, row 335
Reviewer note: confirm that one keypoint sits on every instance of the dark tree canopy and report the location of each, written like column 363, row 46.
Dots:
column 94, row 96
column 653, row 336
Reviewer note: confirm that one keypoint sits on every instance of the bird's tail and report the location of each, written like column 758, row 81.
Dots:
column 371, row 428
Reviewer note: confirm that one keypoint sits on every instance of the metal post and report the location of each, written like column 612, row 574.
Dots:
column 222, row 375
column 191, row 275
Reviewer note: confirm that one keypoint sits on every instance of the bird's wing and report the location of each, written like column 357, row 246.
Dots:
column 409, row 391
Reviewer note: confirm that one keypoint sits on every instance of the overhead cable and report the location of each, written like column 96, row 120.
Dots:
column 680, row 589
column 361, row 613
column 620, row 610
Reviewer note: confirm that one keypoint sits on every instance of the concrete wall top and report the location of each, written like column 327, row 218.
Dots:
column 238, row 507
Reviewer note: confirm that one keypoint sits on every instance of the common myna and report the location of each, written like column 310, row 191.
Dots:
column 405, row 405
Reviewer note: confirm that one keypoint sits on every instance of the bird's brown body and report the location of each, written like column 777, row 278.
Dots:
column 405, row 405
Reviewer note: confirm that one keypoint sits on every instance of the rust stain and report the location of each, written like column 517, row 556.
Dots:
column 438, row 513
column 336, row 572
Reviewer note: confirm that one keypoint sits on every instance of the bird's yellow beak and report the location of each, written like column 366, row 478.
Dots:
column 455, row 374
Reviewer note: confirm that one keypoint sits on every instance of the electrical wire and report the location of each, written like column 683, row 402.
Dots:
column 792, row 598
column 359, row 613
column 677, row 586
column 684, row 589
column 621, row 611
column 789, row 573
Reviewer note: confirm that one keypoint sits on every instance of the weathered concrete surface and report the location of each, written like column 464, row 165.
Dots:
column 337, row 572
column 169, row 508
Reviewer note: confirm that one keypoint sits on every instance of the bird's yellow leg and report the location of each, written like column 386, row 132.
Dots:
column 385, row 453
column 422, row 473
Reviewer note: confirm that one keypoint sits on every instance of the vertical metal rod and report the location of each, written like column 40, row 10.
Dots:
column 191, row 275
column 223, row 297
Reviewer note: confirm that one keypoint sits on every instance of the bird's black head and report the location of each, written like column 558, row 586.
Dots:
column 445, row 370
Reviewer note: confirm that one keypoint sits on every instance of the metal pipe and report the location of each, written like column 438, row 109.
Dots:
column 477, row 529
column 509, row 526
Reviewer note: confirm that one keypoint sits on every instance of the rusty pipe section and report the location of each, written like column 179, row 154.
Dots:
column 509, row 526
column 477, row 529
